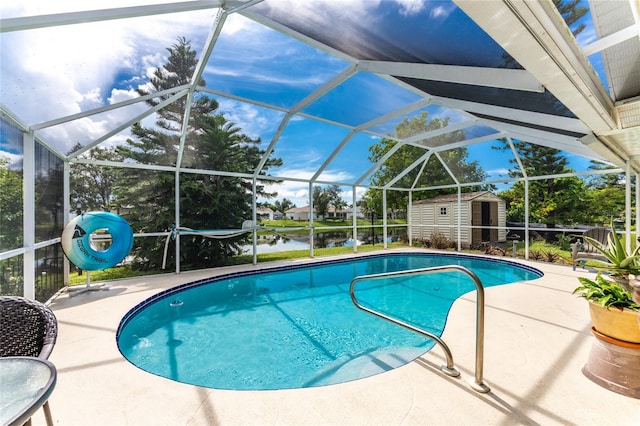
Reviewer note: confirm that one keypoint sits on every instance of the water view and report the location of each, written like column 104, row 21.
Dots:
column 278, row 243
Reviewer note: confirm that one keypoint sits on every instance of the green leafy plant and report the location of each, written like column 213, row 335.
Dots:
column 550, row 256
column 620, row 261
column 606, row 293
column 535, row 255
column 564, row 241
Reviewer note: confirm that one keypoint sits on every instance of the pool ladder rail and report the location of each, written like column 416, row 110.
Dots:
column 476, row 383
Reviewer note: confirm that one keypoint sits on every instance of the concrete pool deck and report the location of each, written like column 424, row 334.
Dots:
column 537, row 340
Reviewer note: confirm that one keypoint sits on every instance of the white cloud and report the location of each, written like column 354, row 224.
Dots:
column 439, row 12
column 254, row 121
column 14, row 161
column 587, row 36
column 298, row 192
column 118, row 95
column 93, row 96
column 55, row 72
column 499, row 172
column 411, row 7
column 335, row 176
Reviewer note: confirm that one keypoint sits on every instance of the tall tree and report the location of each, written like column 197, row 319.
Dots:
column 10, row 207
column 572, row 12
column 605, row 198
column 608, row 180
column 336, row 197
column 207, row 201
column 433, row 174
column 92, row 186
column 284, row 205
column 323, row 197
column 320, row 201
column 551, row 201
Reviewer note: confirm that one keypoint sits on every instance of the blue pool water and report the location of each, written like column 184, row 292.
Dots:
column 296, row 326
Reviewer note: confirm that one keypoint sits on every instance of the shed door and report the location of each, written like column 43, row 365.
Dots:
column 476, row 220
column 486, row 221
column 493, row 220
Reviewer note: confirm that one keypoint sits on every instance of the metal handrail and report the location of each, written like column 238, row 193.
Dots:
column 477, row 384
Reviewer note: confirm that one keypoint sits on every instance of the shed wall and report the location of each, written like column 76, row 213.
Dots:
column 427, row 219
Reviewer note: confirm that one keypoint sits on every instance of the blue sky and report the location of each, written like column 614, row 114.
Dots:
column 55, row 72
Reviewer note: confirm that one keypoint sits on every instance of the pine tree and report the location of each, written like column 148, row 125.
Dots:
column 572, row 12
column 207, row 201
column 551, row 201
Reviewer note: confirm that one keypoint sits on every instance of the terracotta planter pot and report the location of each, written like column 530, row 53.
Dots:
column 614, row 365
column 621, row 325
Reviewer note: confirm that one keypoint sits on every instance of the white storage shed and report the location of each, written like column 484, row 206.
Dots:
column 482, row 218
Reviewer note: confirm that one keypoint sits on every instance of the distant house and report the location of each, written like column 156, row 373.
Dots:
column 264, row 213
column 333, row 213
column 302, row 213
column 298, row 213
column 480, row 210
column 344, row 214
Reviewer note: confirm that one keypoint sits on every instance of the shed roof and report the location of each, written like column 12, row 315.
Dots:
column 465, row 196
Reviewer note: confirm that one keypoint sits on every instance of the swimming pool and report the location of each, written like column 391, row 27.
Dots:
column 295, row 326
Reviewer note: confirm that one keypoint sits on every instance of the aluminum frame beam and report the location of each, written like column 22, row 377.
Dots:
column 542, row 44
column 477, row 76
column 83, row 17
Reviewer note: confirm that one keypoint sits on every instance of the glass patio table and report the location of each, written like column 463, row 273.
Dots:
column 25, row 385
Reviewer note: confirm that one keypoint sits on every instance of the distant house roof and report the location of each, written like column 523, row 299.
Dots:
column 298, row 209
column 465, row 196
column 330, row 209
column 264, row 210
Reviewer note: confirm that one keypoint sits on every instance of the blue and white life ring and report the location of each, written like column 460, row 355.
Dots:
column 77, row 246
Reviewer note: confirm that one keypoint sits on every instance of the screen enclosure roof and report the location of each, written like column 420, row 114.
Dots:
column 320, row 81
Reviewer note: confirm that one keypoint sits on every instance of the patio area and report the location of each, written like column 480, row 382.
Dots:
column 537, row 340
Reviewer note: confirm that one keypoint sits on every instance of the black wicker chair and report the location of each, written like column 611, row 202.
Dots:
column 29, row 328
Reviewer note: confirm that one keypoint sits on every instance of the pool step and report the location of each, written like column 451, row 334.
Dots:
column 365, row 364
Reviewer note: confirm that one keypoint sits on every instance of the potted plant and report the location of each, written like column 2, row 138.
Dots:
column 614, row 360
column 613, row 311
column 620, row 264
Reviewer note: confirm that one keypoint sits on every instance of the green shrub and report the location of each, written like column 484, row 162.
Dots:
column 440, row 241
column 535, row 255
column 564, row 241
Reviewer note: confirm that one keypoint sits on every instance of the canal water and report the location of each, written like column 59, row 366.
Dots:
column 277, row 243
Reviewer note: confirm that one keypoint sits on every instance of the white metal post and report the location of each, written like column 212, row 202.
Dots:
column 66, row 206
column 409, row 222
column 354, row 212
column 310, row 219
column 29, row 215
column 458, row 221
column 384, row 218
column 177, row 219
column 526, row 218
column 254, row 218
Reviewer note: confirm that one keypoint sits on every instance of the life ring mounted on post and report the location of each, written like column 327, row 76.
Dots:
column 77, row 246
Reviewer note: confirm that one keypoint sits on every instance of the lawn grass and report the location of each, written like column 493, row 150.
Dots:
column 538, row 251
column 120, row 272
column 115, row 273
